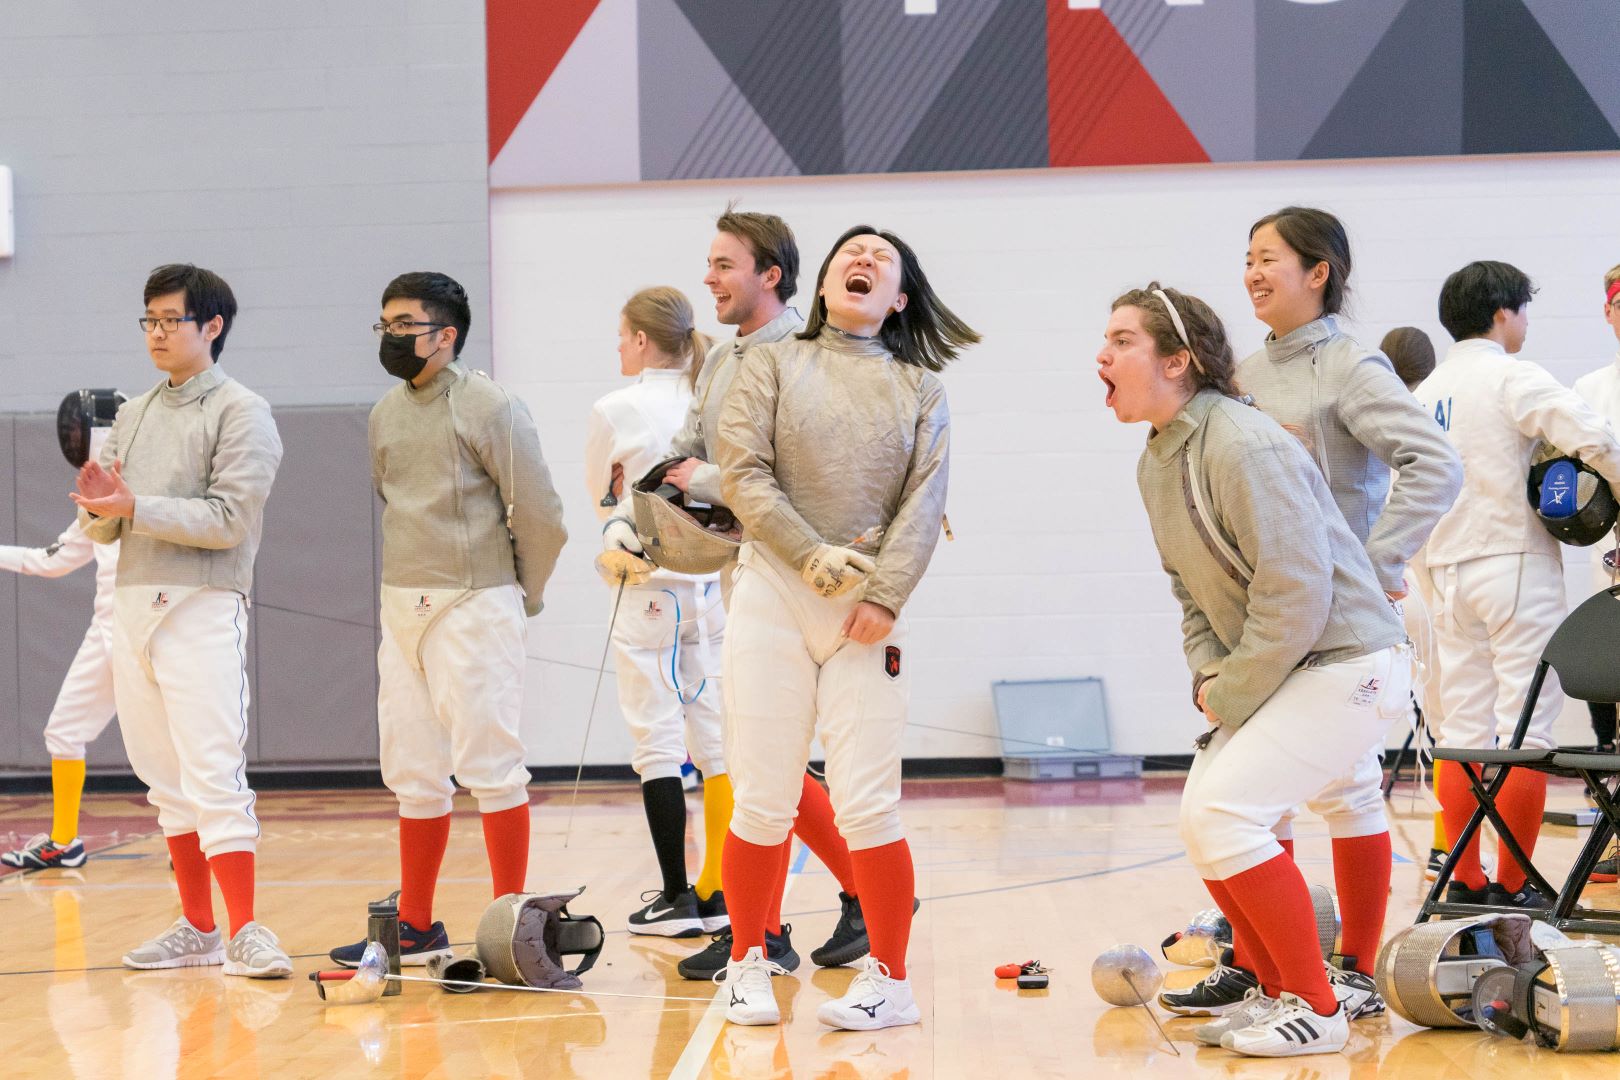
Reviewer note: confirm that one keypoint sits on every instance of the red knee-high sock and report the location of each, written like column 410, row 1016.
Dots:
column 749, row 874
column 1361, row 869
column 1457, row 805
column 1273, row 895
column 506, row 838
column 191, row 877
column 421, row 853
column 1248, row 951
column 888, row 887
column 816, row 827
column 784, row 863
column 234, row 872
column 1521, row 802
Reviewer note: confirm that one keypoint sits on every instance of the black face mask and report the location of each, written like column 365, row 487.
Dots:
column 398, row 356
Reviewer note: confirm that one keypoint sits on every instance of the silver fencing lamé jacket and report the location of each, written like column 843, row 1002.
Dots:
column 1344, row 402
column 836, row 441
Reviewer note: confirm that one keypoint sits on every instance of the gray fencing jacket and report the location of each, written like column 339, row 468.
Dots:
column 836, row 441
column 1345, row 403
column 200, row 459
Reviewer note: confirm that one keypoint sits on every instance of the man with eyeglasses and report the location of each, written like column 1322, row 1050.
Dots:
column 181, row 485
column 471, row 531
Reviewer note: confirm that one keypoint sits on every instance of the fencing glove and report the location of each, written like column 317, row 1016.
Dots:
column 834, row 571
column 621, row 558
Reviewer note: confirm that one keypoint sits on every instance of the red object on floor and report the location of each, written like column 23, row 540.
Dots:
column 1521, row 803
column 234, row 872
column 750, row 874
column 1457, row 805
column 816, row 826
column 421, row 852
column 1273, row 896
column 1361, row 872
column 888, row 890
column 192, row 879
column 506, row 838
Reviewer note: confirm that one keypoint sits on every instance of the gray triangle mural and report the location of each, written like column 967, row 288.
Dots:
column 1588, row 46
column 1519, row 95
column 1216, row 102
column 1419, row 59
column 991, row 113
column 786, row 56
column 894, row 67
column 1305, row 56
column 695, row 122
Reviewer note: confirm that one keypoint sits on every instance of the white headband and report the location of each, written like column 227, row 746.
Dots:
column 1181, row 331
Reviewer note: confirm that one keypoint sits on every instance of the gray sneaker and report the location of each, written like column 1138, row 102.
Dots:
column 181, row 945
column 1254, row 1005
column 256, row 953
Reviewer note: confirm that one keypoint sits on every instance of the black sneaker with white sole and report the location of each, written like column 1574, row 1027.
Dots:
column 1528, row 897
column 713, row 912
column 703, row 966
column 1355, row 991
column 1437, row 859
column 849, row 941
column 1458, row 893
column 1224, row 989
column 668, row 916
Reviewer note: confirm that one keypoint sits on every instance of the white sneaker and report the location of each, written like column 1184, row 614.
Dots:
column 181, row 945
column 748, row 982
column 1356, row 992
column 1255, row 1004
column 256, row 953
column 872, row 1001
column 1291, row 1029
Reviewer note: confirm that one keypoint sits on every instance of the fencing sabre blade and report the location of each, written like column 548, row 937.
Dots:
column 1142, row 1000
column 601, row 669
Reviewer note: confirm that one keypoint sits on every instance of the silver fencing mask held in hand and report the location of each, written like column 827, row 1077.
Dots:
column 523, row 938
column 1571, row 500
column 81, row 412
column 677, row 537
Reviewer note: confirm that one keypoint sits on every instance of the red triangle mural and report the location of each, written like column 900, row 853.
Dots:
column 1103, row 108
column 525, row 41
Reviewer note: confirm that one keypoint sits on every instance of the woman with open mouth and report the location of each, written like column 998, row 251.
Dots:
column 833, row 454
column 1299, row 662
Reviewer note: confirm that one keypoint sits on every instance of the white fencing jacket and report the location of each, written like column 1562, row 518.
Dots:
column 1494, row 408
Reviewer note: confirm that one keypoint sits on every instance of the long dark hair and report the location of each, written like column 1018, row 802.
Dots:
column 925, row 332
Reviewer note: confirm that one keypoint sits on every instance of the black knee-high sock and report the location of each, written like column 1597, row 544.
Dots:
column 665, row 804
column 1603, row 721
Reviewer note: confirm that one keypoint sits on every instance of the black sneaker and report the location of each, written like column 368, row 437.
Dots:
column 1437, row 859
column 43, row 853
column 849, row 941
column 666, row 916
column 1528, row 897
column 416, row 947
column 1355, row 991
column 703, row 966
column 1604, row 871
column 713, row 912
column 1224, row 989
column 1458, row 893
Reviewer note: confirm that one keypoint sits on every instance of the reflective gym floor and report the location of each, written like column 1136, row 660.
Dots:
column 1007, row 871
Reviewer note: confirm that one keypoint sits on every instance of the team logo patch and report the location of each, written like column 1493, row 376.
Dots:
column 1365, row 693
column 653, row 611
column 160, row 601
column 891, row 661
column 424, row 606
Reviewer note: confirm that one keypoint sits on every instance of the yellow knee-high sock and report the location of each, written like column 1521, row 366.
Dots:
column 67, row 785
column 716, row 820
column 1440, row 841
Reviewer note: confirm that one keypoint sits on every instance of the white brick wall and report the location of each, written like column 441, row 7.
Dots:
column 1053, row 572
column 308, row 151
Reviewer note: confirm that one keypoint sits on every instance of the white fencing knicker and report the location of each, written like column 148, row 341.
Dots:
column 180, row 676
column 450, row 697
column 665, row 641
column 791, row 674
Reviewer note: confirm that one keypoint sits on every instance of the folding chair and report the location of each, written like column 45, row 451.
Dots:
column 1585, row 652
column 1420, row 734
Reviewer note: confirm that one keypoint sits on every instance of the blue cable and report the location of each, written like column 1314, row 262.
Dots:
column 675, row 654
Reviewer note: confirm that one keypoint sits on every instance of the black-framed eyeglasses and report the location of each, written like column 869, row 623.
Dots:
column 170, row 323
column 405, row 328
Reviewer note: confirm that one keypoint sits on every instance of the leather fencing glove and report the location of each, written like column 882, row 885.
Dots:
column 622, row 555
column 835, row 571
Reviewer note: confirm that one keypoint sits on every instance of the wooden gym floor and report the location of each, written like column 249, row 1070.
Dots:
column 1007, row 871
